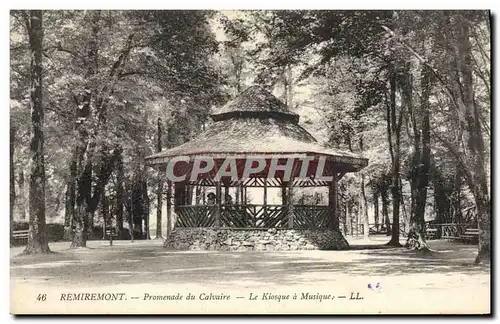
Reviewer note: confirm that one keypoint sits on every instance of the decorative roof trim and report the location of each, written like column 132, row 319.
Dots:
column 294, row 118
column 356, row 162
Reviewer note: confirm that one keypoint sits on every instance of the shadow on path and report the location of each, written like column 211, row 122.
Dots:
column 154, row 264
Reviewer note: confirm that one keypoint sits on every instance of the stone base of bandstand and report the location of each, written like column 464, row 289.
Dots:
column 233, row 239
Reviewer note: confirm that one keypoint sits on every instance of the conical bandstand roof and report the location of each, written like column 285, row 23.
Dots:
column 257, row 123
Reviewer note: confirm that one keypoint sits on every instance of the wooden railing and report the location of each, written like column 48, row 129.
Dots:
column 444, row 231
column 373, row 229
column 195, row 216
column 311, row 216
column 20, row 235
column 252, row 216
column 450, row 230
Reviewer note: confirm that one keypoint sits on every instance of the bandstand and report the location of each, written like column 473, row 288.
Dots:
column 254, row 125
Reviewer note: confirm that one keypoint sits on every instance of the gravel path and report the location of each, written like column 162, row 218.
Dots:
column 447, row 282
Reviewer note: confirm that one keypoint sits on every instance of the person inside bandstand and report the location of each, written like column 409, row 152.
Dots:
column 210, row 198
column 228, row 199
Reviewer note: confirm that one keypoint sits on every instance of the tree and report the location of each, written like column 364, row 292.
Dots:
column 473, row 161
column 159, row 192
column 363, row 201
column 37, row 239
column 106, row 83
column 455, row 45
column 69, row 213
column 394, row 123
column 318, row 38
column 120, row 195
column 12, row 183
column 420, row 166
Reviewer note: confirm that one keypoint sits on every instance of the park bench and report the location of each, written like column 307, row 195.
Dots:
column 470, row 235
column 20, row 235
column 111, row 232
column 430, row 233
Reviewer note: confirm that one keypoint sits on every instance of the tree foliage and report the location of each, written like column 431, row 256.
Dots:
column 410, row 90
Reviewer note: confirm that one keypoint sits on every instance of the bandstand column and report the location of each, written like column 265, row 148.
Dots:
column 169, row 207
column 179, row 194
column 237, row 194
column 265, row 198
column 226, row 192
column 290, row 204
column 332, row 203
column 284, row 185
column 218, row 199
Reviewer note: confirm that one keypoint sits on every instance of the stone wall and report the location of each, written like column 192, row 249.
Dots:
column 211, row 239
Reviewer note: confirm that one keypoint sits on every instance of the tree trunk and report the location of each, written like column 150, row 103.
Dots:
column 457, row 197
column 376, row 209
column 343, row 211
column 476, row 178
column 79, row 234
column 288, row 86
column 358, row 214
column 385, row 211
column 396, row 203
column 406, row 218
column 445, row 198
column 348, row 218
column 84, row 147
column 21, row 196
column 91, row 220
column 394, row 135
column 420, row 162
column 382, row 219
column 363, row 203
column 12, row 183
column 130, row 209
column 483, row 218
column 84, row 187
column 37, row 238
column 159, row 191
column 137, row 208
column 440, row 203
column 69, row 213
column 159, row 203
column 119, row 194
column 106, row 219
column 169, row 207
column 146, row 209
column 422, row 167
column 87, row 200
column 366, row 224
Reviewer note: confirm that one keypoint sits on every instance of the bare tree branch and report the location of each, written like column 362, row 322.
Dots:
column 128, row 73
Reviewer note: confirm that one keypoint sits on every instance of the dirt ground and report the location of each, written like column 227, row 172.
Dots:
column 383, row 280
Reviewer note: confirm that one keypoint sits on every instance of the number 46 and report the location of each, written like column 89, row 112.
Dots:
column 41, row 297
